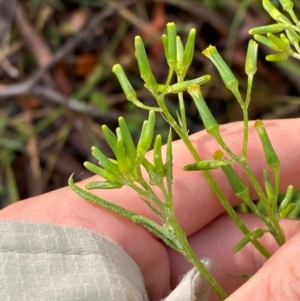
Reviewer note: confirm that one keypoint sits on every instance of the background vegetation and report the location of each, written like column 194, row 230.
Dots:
column 57, row 88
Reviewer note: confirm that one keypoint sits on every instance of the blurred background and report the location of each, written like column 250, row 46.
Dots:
column 57, row 88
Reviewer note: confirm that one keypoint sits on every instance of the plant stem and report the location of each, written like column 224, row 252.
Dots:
column 225, row 203
column 276, row 231
column 192, row 258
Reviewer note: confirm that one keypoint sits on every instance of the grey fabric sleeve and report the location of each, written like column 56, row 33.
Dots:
column 48, row 262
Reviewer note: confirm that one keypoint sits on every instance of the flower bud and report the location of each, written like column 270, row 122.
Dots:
column 208, row 119
column 273, row 28
column 127, row 139
column 270, row 154
column 251, row 58
column 144, row 66
column 172, row 49
column 227, row 76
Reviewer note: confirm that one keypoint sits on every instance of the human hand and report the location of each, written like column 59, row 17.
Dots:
column 211, row 233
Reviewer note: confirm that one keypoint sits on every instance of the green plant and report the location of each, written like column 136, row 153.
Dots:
column 131, row 167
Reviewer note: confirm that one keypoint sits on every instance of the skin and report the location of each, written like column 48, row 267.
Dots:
column 211, row 233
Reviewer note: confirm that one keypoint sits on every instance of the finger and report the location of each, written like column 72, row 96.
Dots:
column 216, row 242
column 195, row 202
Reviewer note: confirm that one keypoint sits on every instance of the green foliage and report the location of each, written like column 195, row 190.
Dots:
column 282, row 36
column 131, row 158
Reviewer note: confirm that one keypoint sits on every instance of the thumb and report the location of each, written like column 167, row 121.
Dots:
column 278, row 279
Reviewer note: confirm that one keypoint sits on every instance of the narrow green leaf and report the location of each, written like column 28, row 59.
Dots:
column 99, row 201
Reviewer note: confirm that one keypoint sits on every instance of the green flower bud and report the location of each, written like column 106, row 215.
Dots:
column 101, row 172
column 157, row 155
column 128, row 89
column 251, row 236
column 183, row 86
column 282, row 43
column 287, row 198
column 110, row 138
column 127, row 139
column 171, row 53
column 293, row 37
column 123, row 165
column 144, row 66
column 271, row 157
column 103, row 185
column 207, row 165
column 125, row 84
column 239, row 187
column 269, row 188
column 266, row 42
column 277, row 57
column 227, row 76
column 287, row 211
column 273, row 28
column 188, row 54
column 274, row 12
column 104, row 161
column 179, row 54
column 169, row 163
column 164, row 40
column 287, row 5
column 208, row 119
column 251, row 58
column 146, row 136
